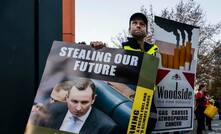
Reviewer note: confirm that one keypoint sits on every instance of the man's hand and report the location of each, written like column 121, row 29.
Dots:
column 148, row 38
column 97, row 44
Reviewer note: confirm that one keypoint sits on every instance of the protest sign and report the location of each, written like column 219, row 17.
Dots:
column 127, row 107
column 174, row 97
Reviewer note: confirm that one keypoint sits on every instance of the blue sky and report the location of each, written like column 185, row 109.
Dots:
column 100, row 20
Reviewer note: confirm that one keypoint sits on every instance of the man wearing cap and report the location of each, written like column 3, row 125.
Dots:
column 138, row 27
column 138, row 30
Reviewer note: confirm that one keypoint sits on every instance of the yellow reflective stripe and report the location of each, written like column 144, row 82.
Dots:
column 152, row 49
column 129, row 48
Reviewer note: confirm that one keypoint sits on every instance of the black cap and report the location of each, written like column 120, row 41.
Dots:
column 138, row 16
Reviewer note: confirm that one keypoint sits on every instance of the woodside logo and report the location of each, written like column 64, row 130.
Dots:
column 184, row 94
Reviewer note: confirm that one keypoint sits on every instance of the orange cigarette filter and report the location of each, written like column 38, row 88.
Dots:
column 170, row 61
column 176, row 62
column 164, row 60
column 182, row 56
column 188, row 51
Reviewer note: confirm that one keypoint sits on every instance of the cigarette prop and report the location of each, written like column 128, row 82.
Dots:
column 188, row 56
column 164, row 58
column 170, row 61
column 176, row 63
column 182, row 57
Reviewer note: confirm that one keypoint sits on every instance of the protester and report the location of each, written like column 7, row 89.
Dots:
column 138, row 29
column 209, row 100
column 200, row 107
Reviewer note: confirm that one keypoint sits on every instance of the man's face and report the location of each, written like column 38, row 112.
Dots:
column 79, row 101
column 138, row 28
column 58, row 95
column 39, row 114
column 36, row 107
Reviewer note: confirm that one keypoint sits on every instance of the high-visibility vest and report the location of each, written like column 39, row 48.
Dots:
column 151, row 51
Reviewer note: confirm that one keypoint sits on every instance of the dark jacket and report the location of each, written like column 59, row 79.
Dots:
column 96, row 123
column 133, row 45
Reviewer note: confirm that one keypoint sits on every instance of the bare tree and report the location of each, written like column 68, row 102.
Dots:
column 191, row 13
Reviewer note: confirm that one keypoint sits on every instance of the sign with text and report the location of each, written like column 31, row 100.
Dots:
column 122, row 85
column 174, row 96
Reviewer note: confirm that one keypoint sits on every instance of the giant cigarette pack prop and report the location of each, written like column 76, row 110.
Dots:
column 174, row 97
